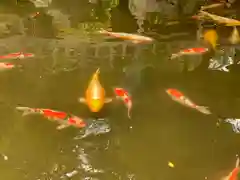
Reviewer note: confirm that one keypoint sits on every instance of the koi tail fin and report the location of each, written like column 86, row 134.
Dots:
column 129, row 113
column 237, row 161
column 173, row 56
column 97, row 71
column 25, row 110
column 129, row 108
column 95, row 76
column 103, row 31
column 204, row 110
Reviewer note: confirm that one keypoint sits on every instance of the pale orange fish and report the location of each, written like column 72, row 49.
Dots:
column 179, row 97
column 212, row 6
column 218, row 19
column 234, row 174
column 135, row 38
column 95, row 94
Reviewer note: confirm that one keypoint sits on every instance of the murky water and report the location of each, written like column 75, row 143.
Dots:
column 160, row 131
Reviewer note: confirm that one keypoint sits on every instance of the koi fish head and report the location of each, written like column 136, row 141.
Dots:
column 77, row 122
column 119, row 92
column 170, row 91
column 175, row 94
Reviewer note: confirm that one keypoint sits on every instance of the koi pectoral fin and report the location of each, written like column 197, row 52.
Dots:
column 108, row 100
column 62, row 126
column 82, row 100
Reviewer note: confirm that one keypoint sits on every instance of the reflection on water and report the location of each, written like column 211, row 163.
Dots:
column 114, row 147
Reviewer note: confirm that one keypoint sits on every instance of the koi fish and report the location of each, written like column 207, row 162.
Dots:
column 95, row 94
column 95, row 127
column 135, row 38
column 234, row 122
column 182, row 99
column 234, row 174
column 215, row 65
column 218, row 19
column 190, row 51
column 125, row 97
column 6, row 66
column 212, row 6
column 18, row 55
column 211, row 37
column 64, row 119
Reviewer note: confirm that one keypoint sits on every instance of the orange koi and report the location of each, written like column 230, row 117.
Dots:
column 95, row 94
column 64, row 119
column 125, row 97
column 190, row 51
column 182, row 99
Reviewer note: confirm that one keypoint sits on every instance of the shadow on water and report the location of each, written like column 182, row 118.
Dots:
column 160, row 130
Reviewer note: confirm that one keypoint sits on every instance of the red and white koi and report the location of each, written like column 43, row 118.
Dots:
column 6, row 66
column 135, row 38
column 64, row 119
column 125, row 97
column 18, row 55
column 182, row 99
column 190, row 51
column 233, row 175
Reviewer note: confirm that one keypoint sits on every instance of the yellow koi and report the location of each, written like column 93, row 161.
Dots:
column 95, row 94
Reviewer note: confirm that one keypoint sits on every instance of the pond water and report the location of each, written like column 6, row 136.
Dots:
column 160, row 129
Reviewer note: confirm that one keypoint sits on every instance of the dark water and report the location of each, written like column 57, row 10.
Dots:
column 160, row 130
